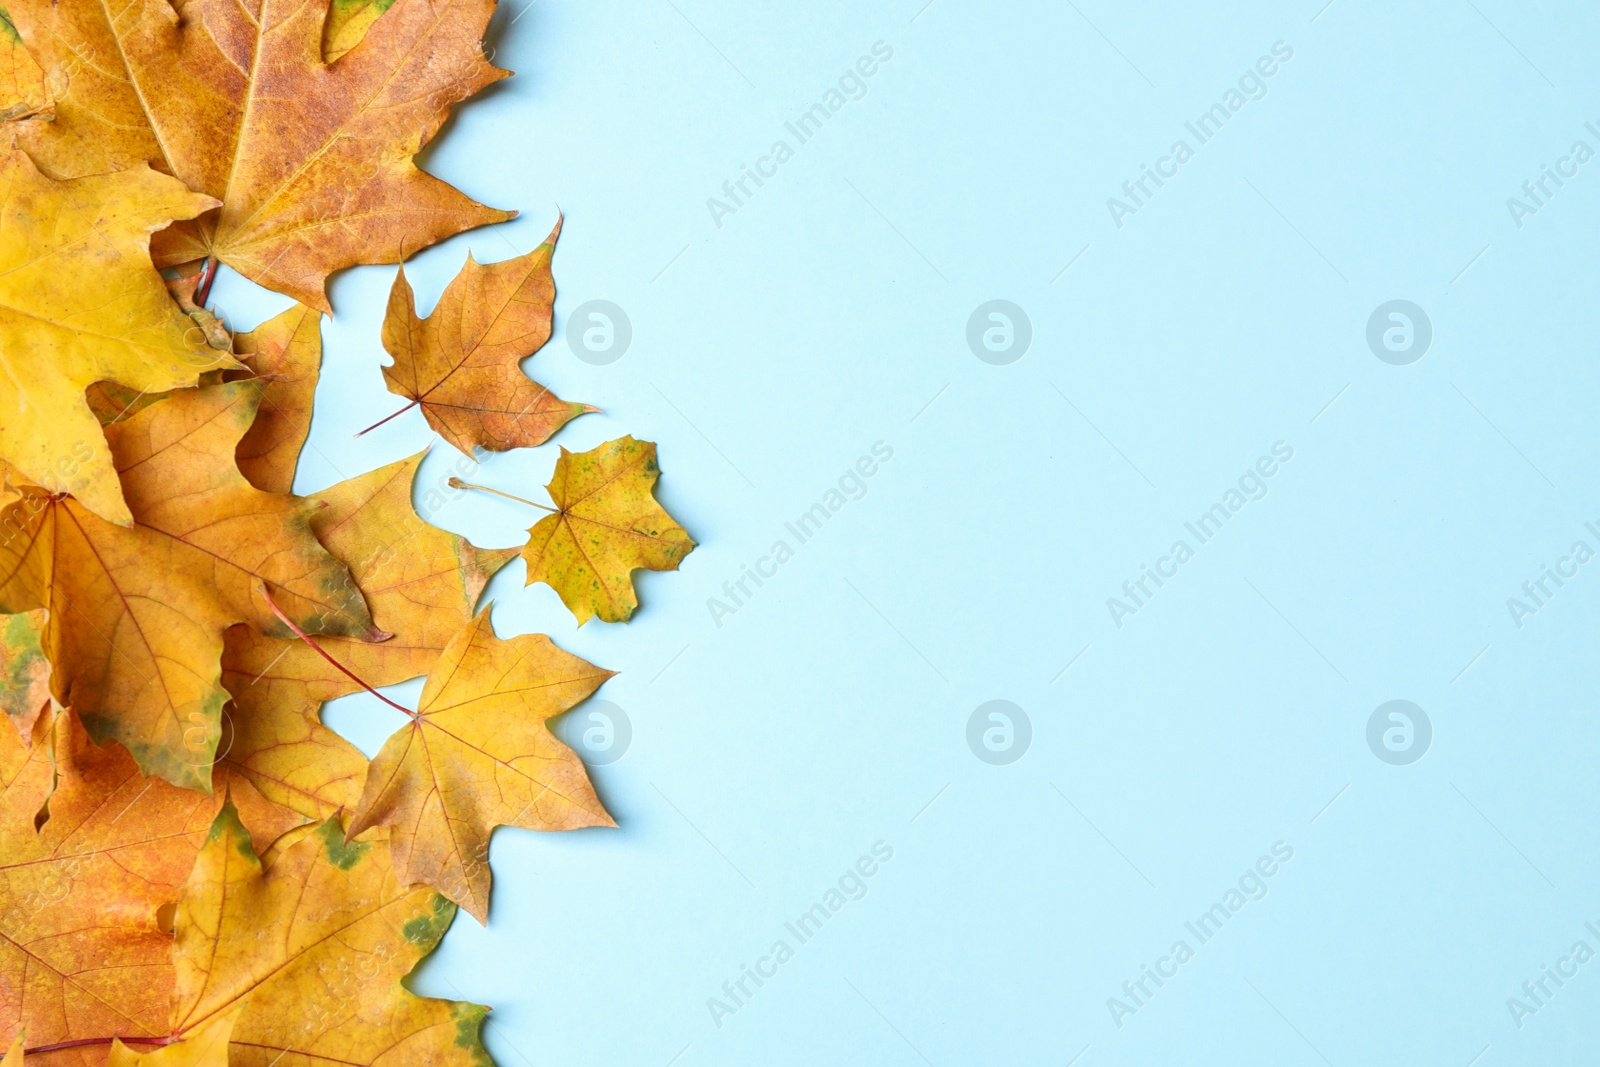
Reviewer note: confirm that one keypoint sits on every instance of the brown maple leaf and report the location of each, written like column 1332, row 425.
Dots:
column 312, row 161
column 137, row 615
column 461, row 362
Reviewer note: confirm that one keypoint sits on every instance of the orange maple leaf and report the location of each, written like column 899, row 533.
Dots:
column 312, row 161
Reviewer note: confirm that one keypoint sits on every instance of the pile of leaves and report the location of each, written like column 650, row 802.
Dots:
column 194, row 870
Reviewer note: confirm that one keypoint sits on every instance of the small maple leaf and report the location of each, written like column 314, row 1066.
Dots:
column 421, row 584
column 606, row 525
column 476, row 755
column 311, row 161
column 460, row 363
column 80, row 302
column 137, row 616
column 82, row 955
column 315, row 945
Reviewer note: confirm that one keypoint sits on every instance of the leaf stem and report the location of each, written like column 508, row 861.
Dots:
column 396, row 415
column 321, row 652
column 457, row 483
column 85, row 1041
column 208, row 274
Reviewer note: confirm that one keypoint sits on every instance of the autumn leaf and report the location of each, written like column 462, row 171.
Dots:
column 137, row 616
column 313, row 162
column 285, row 354
column 82, row 952
column 205, row 1046
column 477, row 755
column 80, row 302
column 421, row 584
column 606, row 524
column 13, row 1058
column 315, row 945
column 460, row 363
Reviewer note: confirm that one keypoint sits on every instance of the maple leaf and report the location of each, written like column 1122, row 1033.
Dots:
column 315, row 945
column 80, row 302
column 13, row 1058
column 606, row 524
column 421, row 584
column 312, row 162
column 82, row 953
column 476, row 755
column 460, row 363
column 137, row 616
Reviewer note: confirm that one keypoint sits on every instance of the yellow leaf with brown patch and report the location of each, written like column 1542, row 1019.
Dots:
column 476, row 755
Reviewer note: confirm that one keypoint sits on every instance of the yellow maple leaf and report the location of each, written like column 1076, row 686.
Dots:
column 315, row 945
column 460, row 363
column 421, row 584
column 313, row 162
column 606, row 524
column 13, row 1058
column 80, row 302
column 137, row 615
column 476, row 755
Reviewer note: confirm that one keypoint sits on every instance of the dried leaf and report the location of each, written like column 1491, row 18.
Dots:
column 313, row 162
column 461, row 362
column 608, row 525
column 478, row 755
column 82, row 953
column 317, row 944
column 421, row 584
column 137, row 615
column 80, row 302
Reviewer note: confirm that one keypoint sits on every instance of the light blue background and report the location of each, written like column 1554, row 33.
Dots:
column 1230, row 713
